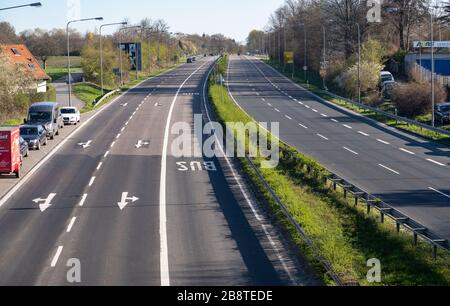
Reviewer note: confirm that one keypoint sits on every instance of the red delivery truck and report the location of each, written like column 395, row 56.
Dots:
column 10, row 161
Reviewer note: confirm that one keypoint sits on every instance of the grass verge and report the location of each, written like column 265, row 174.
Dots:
column 57, row 72
column 315, row 87
column 344, row 234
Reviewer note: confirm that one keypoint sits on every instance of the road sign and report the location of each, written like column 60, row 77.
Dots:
column 428, row 44
column 126, row 200
column 46, row 203
column 288, row 57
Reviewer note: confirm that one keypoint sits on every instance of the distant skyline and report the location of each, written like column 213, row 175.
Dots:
column 233, row 18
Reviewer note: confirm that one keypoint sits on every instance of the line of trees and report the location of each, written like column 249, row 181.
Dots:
column 331, row 29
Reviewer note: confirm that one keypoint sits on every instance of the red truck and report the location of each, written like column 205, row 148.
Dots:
column 10, row 159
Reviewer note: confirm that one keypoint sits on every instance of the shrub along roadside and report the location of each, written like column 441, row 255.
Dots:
column 343, row 233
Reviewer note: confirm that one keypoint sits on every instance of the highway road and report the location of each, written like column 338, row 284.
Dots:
column 112, row 198
column 408, row 172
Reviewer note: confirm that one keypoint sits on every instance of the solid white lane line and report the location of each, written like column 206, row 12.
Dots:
column 389, row 169
column 321, row 136
column 440, row 192
column 347, row 126
column 435, row 162
column 83, row 199
column 351, row 151
column 164, row 250
column 288, row 117
column 303, row 126
column 106, row 154
column 364, row 134
column 56, row 257
column 99, row 165
column 406, row 151
column 112, row 145
column 91, row 182
column 382, row 141
column 72, row 222
column 123, row 129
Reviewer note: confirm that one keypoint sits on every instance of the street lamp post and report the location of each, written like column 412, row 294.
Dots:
column 324, row 56
column 433, row 98
column 359, row 62
column 101, row 49
column 68, row 52
column 305, row 68
column 36, row 4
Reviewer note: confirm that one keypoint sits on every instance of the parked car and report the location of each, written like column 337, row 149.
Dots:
column 387, row 88
column 189, row 60
column 442, row 113
column 34, row 135
column 24, row 149
column 71, row 115
column 48, row 115
column 386, row 76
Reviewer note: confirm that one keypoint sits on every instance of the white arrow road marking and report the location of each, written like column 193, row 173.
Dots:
column 46, row 203
column 85, row 145
column 125, row 200
column 141, row 144
column 124, row 104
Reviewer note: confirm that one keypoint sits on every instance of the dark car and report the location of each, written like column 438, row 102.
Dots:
column 48, row 115
column 34, row 135
column 190, row 60
column 24, row 150
column 442, row 113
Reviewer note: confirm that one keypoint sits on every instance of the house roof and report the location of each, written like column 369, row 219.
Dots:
column 19, row 54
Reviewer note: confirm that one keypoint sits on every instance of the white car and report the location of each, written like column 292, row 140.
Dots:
column 386, row 76
column 71, row 115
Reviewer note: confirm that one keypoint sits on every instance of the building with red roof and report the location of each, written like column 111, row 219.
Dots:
column 20, row 55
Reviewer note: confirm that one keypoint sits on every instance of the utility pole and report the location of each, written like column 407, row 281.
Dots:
column 359, row 63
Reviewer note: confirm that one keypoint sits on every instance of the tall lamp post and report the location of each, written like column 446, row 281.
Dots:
column 305, row 68
column 68, row 52
column 433, row 97
column 120, row 50
column 359, row 62
column 101, row 49
column 36, row 4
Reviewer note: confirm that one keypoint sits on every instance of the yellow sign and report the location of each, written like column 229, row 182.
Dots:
column 288, row 57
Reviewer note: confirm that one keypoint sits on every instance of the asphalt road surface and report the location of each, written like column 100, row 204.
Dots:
column 114, row 200
column 408, row 172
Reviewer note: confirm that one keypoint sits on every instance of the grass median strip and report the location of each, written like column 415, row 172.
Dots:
column 343, row 233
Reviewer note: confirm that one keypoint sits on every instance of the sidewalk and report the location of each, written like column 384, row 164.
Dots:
column 62, row 91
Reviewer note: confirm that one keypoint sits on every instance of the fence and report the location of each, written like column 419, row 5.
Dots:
column 425, row 74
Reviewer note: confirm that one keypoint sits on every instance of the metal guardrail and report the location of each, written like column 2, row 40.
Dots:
column 386, row 114
column 325, row 263
column 99, row 102
column 387, row 210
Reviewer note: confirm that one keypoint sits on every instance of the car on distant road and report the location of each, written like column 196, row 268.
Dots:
column 71, row 115
column 442, row 113
column 386, row 76
column 24, row 149
column 34, row 135
column 387, row 89
column 48, row 115
column 189, row 60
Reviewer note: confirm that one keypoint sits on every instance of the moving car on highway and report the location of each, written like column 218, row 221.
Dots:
column 24, row 149
column 442, row 113
column 71, row 115
column 46, row 114
column 35, row 135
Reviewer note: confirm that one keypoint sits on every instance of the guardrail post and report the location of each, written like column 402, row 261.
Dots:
column 416, row 239
column 356, row 201
column 434, row 252
column 382, row 216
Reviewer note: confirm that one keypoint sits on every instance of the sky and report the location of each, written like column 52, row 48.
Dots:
column 233, row 18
